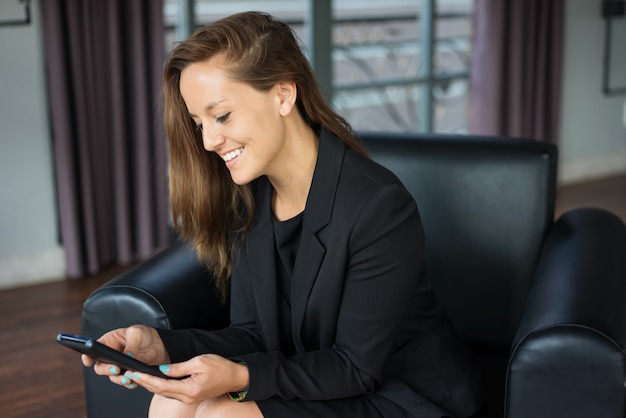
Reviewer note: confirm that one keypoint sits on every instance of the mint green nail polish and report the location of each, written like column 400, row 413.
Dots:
column 124, row 381
column 136, row 376
column 113, row 370
column 132, row 386
column 129, row 354
column 164, row 368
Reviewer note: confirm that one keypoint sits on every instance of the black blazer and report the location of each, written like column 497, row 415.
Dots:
column 365, row 320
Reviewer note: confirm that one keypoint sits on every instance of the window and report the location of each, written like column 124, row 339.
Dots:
column 396, row 65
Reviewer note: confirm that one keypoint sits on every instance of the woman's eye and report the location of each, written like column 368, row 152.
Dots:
column 223, row 119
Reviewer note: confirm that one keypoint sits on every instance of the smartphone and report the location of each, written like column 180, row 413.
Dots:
column 101, row 352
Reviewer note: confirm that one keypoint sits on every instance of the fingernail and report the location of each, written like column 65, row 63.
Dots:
column 124, row 381
column 136, row 376
column 164, row 368
column 128, row 376
column 113, row 370
column 129, row 354
column 132, row 386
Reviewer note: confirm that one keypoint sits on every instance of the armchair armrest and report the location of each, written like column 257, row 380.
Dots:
column 568, row 354
column 170, row 290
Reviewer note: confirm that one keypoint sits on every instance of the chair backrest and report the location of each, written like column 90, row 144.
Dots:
column 486, row 204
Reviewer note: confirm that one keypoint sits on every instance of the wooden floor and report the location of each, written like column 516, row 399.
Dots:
column 39, row 379
column 607, row 194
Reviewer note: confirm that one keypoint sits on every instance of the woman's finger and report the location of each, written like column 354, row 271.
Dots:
column 86, row 360
column 105, row 369
column 169, row 388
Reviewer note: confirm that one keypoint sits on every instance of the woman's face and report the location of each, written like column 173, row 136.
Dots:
column 239, row 123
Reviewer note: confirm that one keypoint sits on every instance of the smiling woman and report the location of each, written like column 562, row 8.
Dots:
column 319, row 248
column 252, row 62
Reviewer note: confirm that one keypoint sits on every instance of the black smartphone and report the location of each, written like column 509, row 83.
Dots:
column 101, row 352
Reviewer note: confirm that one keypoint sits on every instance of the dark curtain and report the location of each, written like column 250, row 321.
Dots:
column 516, row 68
column 104, row 62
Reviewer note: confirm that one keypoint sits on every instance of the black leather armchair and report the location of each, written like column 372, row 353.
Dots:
column 541, row 302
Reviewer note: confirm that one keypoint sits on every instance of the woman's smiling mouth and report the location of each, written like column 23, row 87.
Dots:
column 231, row 155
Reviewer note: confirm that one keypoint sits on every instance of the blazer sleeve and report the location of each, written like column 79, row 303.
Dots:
column 382, row 271
column 239, row 338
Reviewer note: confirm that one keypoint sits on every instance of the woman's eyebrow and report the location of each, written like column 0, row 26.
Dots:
column 209, row 106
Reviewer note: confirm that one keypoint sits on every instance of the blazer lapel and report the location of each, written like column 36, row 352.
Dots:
column 317, row 215
column 262, row 266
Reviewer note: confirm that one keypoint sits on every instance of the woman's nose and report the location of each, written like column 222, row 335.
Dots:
column 211, row 138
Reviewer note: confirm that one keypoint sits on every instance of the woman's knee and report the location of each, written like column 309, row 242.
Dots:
column 219, row 407
column 161, row 407
column 222, row 406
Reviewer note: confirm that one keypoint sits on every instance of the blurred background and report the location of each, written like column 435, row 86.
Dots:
column 428, row 66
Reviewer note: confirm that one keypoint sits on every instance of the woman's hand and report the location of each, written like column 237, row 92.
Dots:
column 209, row 376
column 137, row 341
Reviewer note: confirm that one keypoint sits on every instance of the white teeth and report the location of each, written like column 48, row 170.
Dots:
column 229, row 156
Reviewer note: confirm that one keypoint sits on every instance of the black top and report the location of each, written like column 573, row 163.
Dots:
column 287, row 239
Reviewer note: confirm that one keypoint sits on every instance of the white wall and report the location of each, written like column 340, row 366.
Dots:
column 29, row 249
column 593, row 135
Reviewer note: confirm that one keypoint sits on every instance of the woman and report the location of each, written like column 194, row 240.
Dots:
column 321, row 248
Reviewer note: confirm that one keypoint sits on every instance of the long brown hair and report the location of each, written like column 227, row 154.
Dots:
column 207, row 206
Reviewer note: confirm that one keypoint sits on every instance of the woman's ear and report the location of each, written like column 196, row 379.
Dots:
column 287, row 95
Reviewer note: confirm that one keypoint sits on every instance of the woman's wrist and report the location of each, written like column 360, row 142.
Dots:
column 242, row 377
